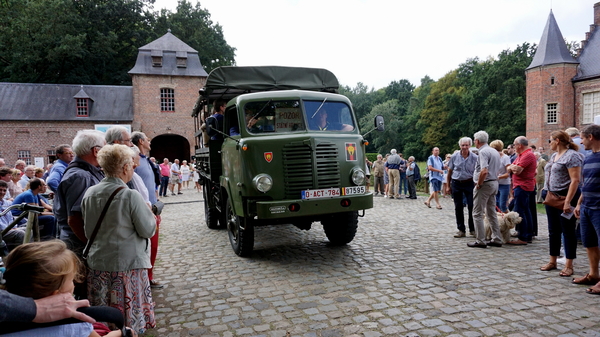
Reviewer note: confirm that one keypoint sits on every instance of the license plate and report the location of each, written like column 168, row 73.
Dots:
column 322, row 193
column 353, row 190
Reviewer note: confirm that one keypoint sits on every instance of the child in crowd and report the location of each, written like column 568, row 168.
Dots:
column 42, row 269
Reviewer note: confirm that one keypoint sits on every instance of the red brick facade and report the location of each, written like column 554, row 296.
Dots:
column 163, row 126
column 549, row 85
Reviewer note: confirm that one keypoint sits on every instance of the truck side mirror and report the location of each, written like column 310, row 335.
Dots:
column 379, row 125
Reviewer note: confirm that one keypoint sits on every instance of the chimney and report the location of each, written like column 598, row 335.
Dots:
column 597, row 13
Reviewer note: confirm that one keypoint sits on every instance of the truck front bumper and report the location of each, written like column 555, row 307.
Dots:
column 283, row 208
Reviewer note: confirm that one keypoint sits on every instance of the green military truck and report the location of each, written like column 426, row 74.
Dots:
column 287, row 151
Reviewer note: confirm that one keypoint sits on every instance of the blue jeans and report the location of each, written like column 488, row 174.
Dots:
column 522, row 207
column 164, row 183
column 403, row 183
column 502, row 197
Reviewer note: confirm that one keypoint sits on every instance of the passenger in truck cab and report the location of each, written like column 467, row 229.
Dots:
column 319, row 121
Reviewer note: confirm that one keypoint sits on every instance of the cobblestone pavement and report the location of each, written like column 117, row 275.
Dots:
column 403, row 275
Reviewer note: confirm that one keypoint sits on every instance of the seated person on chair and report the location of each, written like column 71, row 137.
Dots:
column 46, row 220
column 15, row 236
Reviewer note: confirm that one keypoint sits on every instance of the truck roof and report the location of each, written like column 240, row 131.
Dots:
column 228, row 82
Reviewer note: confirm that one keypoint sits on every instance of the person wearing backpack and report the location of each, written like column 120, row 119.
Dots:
column 412, row 172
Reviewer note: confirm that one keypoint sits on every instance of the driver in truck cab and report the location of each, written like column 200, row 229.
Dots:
column 319, row 122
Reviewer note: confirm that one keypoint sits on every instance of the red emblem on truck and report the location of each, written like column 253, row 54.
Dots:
column 268, row 156
column 350, row 151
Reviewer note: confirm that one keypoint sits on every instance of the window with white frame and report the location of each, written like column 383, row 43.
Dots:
column 552, row 113
column 591, row 107
column 24, row 155
column 82, row 107
column 167, row 100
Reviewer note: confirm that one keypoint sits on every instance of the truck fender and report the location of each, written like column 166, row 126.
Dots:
column 237, row 205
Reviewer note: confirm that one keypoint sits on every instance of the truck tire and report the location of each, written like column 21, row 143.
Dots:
column 211, row 215
column 241, row 239
column 340, row 228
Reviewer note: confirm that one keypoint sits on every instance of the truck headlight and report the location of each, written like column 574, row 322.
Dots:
column 263, row 182
column 358, row 177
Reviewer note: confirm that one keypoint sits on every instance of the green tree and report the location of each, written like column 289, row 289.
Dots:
column 192, row 24
column 67, row 41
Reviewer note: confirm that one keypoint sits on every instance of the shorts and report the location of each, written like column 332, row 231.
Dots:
column 174, row 180
column 590, row 226
column 436, row 185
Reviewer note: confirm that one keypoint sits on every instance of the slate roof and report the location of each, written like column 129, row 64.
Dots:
column 552, row 48
column 170, row 48
column 589, row 59
column 56, row 102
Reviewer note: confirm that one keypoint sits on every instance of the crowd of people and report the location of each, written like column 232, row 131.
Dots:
column 490, row 180
column 101, row 208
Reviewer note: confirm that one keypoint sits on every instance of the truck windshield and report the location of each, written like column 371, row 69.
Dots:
column 273, row 116
column 328, row 116
column 287, row 116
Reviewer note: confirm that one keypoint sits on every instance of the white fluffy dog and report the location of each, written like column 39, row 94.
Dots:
column 507, row 222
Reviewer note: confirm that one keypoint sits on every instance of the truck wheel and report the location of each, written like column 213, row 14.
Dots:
column 211, row 215
column 340, row 228
column 242, row 239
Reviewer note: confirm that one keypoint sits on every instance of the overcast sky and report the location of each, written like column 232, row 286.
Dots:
column 379, row 41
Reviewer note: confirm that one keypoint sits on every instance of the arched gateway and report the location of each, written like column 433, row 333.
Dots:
column 170, row 146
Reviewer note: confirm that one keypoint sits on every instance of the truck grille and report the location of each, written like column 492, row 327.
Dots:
column 306, row 169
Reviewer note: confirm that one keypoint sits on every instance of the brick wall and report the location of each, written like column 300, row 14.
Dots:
column 541, row 91
column 37, row 137
column 148, row 117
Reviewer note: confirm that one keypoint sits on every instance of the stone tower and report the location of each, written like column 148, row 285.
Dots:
column 166, row 78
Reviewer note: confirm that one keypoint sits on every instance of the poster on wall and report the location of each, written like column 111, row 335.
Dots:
column 38, row 162
column 104, row 127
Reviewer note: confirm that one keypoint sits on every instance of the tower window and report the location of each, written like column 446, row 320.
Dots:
column 552, row 113
column 167, row 100
column 82, row 107
column 552, row 80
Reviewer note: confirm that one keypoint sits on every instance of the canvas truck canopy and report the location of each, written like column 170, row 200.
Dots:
column 228, row 82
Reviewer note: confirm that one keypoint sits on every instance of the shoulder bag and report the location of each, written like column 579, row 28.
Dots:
column 88, row 245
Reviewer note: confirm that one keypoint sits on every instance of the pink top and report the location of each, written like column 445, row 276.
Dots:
column 165, row 170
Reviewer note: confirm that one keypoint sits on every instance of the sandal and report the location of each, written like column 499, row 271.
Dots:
column 548, row 266
column 566, row 272
column 593, row 290
column 587, row 280
column 439, row 207
column 427, row 204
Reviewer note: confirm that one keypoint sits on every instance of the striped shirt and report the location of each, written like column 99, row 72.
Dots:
column 591, row 181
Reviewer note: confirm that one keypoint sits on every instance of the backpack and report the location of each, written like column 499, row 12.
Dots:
column 417, row 174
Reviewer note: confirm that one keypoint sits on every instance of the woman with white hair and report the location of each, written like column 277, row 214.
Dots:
column 119, row 254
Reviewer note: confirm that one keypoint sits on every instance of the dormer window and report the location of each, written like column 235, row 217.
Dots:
column 181, row 59
column 83, row 107
column 157, row 58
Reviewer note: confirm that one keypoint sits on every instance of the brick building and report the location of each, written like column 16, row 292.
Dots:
column 562, row 90
column 35, row 118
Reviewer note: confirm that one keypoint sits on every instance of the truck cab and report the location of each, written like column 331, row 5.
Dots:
column 282, row 156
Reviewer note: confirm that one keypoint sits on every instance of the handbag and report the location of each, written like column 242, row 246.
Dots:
column 88, row 245
column 554, row 200
column 158, row 207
